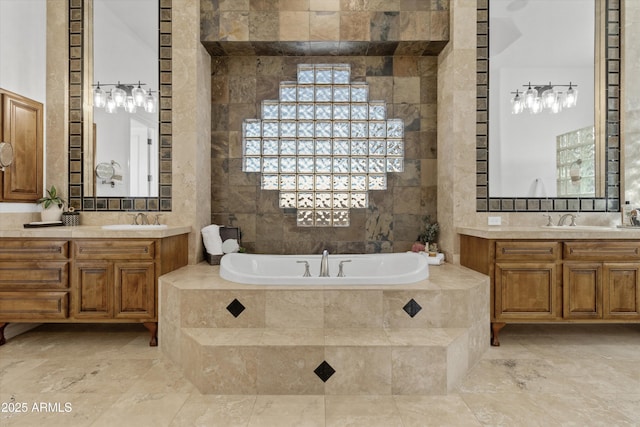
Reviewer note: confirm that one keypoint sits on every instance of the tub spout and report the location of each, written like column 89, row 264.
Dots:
column 324, row 264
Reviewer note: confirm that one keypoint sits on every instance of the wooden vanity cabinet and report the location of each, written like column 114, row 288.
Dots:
column 557, row 281
column 86, row 280
column 34, row 280
column 602, row 280
column 114, row 279
column 526, row 280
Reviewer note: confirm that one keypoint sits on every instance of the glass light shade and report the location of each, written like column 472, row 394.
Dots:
column 536, row 106
column 99, row 97
column 150, row 103
column 517, row 104
column 119, row 96
column 110, row 106
column 571, row 97
column 529, row 96
column 548, row 98
column 139, row 95
column 556, row 107
column 130, row 105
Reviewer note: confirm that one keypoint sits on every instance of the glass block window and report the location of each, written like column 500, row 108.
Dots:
column 323, row 145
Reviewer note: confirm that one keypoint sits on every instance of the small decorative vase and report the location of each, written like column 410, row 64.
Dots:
column 52, row 213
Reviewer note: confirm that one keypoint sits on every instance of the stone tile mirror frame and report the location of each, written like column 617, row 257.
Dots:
column 611, row 87
column 79, row 88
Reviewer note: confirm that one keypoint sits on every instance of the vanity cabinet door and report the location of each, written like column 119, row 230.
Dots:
column 526, row 291
column 92, row 290
column 135, row 296
column 21, row 124
column 582, row 285
column 621, row 291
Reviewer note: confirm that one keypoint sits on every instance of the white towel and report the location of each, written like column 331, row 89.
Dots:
column 435, row 260
column 212, row 239
column 230, row 246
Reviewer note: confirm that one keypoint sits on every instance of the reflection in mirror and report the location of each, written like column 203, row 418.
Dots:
column 565, row 160
column 120, row 161
column 125, row 127
column 541, row 48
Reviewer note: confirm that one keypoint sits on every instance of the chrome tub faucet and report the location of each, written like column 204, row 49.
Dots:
column 324, row 264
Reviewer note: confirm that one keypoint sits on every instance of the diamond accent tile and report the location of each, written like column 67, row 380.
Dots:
column 412, row 307
column 235, row 308
column 324, row 371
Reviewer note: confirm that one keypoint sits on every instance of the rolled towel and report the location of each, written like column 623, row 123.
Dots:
column 230, row 245
column 212, row 239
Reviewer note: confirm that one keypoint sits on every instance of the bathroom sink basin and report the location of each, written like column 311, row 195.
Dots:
column 133, row 227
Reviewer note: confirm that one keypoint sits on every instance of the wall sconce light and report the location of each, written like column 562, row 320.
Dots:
column 124, row 95
column 540, row 97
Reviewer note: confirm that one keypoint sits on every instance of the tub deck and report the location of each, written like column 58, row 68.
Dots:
column 417, row 338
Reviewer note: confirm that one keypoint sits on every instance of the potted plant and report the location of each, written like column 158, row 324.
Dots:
column 51, row 205
column 429, row 235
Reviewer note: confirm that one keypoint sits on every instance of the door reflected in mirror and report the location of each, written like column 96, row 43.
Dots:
column 544, row 48
column 124, row 82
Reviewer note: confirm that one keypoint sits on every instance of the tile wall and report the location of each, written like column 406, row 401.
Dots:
column 408, row 84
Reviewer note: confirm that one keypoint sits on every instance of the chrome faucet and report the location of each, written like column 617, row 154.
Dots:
column 564, row 217
column 324, row 264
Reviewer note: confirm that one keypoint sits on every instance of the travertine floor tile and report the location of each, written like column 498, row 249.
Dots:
column 541, row 375
column 285, row 411
column 362, row 411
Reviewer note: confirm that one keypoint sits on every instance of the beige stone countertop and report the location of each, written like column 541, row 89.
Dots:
column 445, row 276
column 93, row 232
column 580, row 232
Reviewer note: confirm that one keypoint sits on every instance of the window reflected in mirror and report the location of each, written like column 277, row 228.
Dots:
column 522, row 160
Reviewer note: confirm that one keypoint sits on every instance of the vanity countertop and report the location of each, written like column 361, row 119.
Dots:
column 543, row 232
column 93, row 232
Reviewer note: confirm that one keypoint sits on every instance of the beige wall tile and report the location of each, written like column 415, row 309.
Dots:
column 324, row 26
column 289, row 370
column 418, row 370
column 359, row 370
column 300, row 309
column 353, row 309
column 294, row 26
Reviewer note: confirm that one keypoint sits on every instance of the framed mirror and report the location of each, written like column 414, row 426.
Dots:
column 122, row 160
column 530, row 162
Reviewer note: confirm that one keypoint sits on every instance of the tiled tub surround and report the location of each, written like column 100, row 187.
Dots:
column 408, row 86
column 230, row 338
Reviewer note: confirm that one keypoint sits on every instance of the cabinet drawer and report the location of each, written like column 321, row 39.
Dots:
column 527, row 251
column 15, row 306
column 19, row 275
column 128, row 249
column 602, row 251
column 17, row 249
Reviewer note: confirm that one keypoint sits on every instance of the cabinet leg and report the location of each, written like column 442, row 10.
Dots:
column 3, row 340
column 153, row 329
column 495, row 331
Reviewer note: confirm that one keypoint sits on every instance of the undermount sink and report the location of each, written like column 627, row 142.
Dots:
column 133, row 227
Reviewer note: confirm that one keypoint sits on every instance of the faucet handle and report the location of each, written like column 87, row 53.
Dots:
column 549, row 220
column 573, row 220
column 156, row 220
column 307, row 273
column 340, row 271
column 134, row 219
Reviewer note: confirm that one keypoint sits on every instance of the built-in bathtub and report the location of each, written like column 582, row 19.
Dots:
column 357, row 269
